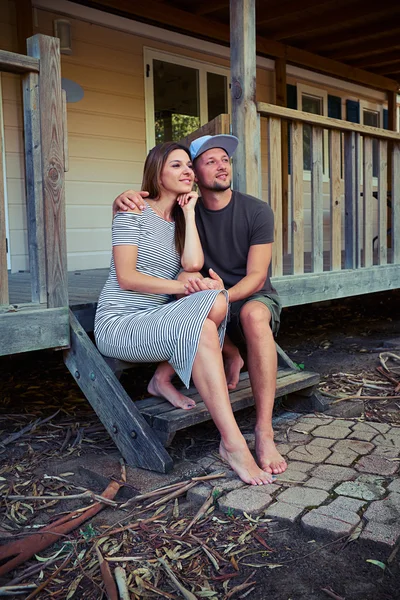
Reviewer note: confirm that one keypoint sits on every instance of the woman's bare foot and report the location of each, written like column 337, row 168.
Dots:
column 233, row 364
column 242, row 462
column 268, row 456
column 162, row 387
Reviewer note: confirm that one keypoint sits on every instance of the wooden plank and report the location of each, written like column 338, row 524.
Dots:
column 18, row 63
column 220, row 124
column 34, row 187
column 382, row 203
column 318, row 287
column 275, row 199
column 367, row 202
column 24, row 14
column 396, row 203
column 33, row 329
column 245, row 121
column 47, row 49
column 65, row 131
column 128, row 429
column 351, row 195
column 297, row 197
column 180, row 419
column 281, row 100
column 266, row 110
column 335, row 200
column 4, row 297
column 317, row 200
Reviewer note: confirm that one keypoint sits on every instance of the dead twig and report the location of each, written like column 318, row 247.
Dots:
column 202, row 510
column 332, row 594
column 46, row 583
column 120, row 578
column 185, row 592
column 109, row 582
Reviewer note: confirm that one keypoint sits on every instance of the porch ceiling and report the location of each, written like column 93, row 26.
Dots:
column 361, row 34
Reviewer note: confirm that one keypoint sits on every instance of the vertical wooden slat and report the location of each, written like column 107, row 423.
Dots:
column 317, row 200
column 4, row 299
column 382, row 203
column 392, row 126
column 367, row 202
column 351, row 197
column 245, row 122
column 335, row 201
column 275, row 191
column 281, row 100
column 65, row 131
column 47, row 50
column 34, row 187
column 297, row 198
column 396, row 203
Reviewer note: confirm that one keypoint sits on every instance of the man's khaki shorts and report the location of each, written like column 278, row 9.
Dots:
column 271, row 301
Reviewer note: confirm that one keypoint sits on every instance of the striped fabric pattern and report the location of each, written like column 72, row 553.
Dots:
column 140, row 327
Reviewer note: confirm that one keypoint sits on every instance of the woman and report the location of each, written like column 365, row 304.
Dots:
column 138, row 321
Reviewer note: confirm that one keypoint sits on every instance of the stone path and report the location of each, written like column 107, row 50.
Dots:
column 342, row 478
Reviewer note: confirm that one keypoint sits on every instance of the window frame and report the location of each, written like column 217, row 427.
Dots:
column 307, row 90
column 203, row 67
column 376, row 108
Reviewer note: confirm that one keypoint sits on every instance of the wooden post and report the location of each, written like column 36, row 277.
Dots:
column 351, row 199
column 245, row 121
column 392, row 126
column 396, row 203
column 275, row 191
column 281, row 100
column 3, row 234
column 34, row 187
column 47, row 50
column 382, row 203
column 335, row 200
column 297, row 186
column 317, row 200
column 367, row 202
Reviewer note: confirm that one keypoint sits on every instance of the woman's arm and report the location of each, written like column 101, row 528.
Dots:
column 192, row 258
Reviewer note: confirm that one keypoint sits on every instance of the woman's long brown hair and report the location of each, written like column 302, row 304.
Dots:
column 153, row 167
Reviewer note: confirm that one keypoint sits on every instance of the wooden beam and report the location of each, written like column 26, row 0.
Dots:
column 309, row 21
column 266, row 109
column 47, row 49
column 4, row 298
column 366, row 48
column 350, row 37
column 267, row 12
column 245, row 122
column 376, row 60
column 281, row 100
column 210, row 6
column 196, row 25
column 24, row 23
column 33, row 329
column 17, row 63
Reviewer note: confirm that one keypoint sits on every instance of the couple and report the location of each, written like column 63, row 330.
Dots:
column 159, row 246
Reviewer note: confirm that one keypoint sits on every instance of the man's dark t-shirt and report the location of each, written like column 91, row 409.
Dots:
column 227, row 234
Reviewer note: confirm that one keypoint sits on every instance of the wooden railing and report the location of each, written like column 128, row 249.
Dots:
column 355, row 195
column 43, row 323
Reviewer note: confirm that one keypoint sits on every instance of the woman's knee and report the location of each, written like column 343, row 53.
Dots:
column 209, row 334
column 218, row 310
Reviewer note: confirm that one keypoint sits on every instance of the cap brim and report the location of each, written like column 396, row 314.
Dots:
column 229, row 143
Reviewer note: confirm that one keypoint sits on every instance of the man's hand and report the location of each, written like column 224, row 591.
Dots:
column 187, row 202
column 129, row 200
column 214, row 282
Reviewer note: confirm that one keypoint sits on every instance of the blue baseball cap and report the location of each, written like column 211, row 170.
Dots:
column 207, row 142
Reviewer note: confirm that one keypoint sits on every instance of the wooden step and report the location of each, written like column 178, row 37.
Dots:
column 161, row 415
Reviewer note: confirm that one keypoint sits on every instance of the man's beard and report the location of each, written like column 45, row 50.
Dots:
column 218, row 186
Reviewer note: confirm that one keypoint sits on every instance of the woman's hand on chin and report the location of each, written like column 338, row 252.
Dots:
column 187, row 202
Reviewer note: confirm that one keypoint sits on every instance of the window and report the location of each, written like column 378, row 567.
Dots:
column 181, row 95
column 315, row 101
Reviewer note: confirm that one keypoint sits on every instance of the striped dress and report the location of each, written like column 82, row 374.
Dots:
column 143, row 327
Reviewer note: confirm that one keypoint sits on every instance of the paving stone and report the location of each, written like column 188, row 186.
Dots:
column 323, row 442
column 353, row 447
column 385, row 511
column 379, row 427
column 321, row 484
column 347, row 409
column 291, row 476
column 300, row 496
column 338, row 458
column 387, row 451
column 388, row 439
column 381, row 533
column 310, row 454
column 303, row 427
column 251, row 499
column 206, row 461
column 334, row 473
column 293, row 437
column 394, row 430
column 284, row 449
column 284, row 511
column 300, row 466
column 334, row 431
column 336, row 519
column 311, row 419
column 394, row 486
column 200, row 493
column 364, row 431
column 364, row 487
column 376, row 464
column 364, row 435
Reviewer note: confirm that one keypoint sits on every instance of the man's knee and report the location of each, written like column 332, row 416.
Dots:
column 255, row 317
column 184, row 276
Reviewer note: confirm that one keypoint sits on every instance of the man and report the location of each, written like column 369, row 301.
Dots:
column 236, row 232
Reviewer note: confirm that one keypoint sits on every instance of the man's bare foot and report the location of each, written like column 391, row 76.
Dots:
column 268, row 456
column 233, row 364
column 164, row 388
column 242, row 462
